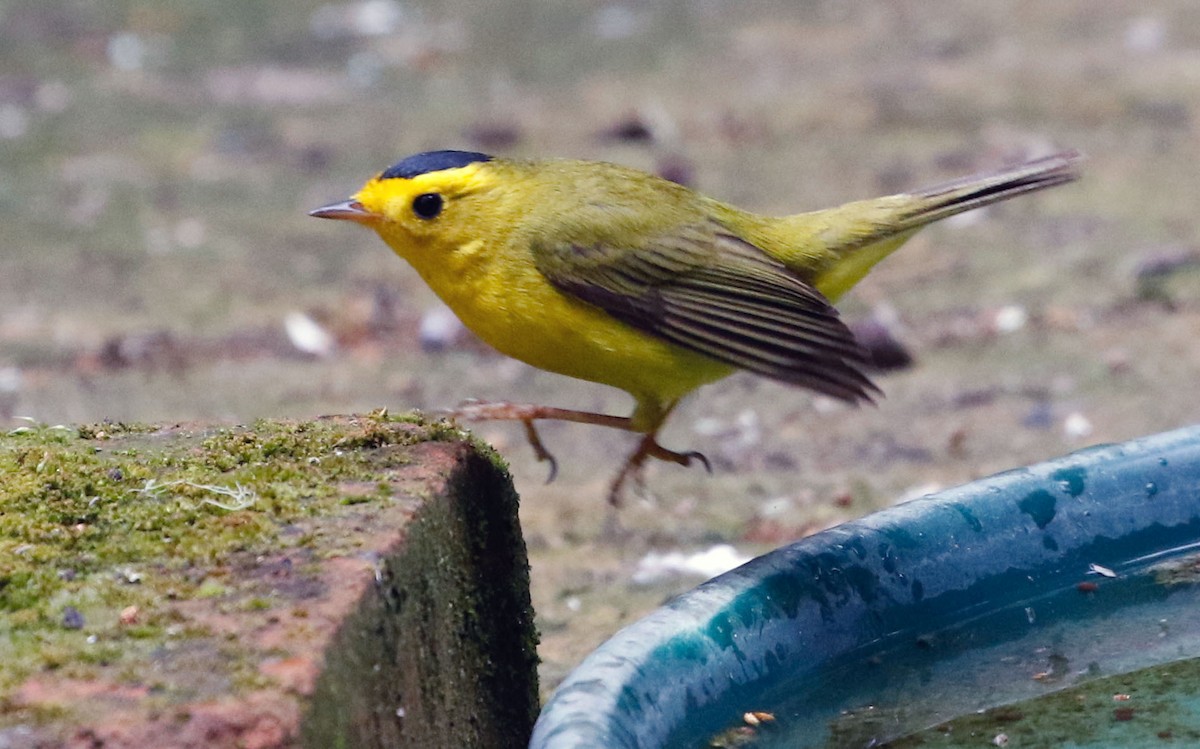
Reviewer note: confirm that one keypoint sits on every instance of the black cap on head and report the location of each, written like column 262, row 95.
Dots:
column 432, row 161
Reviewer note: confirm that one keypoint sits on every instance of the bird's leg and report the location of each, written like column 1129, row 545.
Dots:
column 527, row 414
column 648, row 448
column 480, row 411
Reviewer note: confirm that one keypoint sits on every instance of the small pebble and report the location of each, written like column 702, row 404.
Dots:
column 440, row 329
column 307, row 335
column 1077, row 426
column 71, row 618
column 1009, row 319
column 633, row 128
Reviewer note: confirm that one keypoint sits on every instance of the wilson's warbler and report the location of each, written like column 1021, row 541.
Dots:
column 612, row 275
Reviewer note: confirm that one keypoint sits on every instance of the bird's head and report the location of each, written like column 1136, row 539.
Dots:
column 426, row 197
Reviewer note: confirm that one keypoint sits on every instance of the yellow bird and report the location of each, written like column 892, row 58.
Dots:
column 609, row 274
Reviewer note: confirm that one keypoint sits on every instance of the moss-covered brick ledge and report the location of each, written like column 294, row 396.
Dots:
column 343, row 582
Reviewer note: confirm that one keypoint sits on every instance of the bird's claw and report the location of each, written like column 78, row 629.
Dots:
column 535, row 441
column 651, row 449
column 696, row 455
column 553, row 474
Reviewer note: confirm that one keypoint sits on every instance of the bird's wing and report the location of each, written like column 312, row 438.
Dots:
column 705, row 289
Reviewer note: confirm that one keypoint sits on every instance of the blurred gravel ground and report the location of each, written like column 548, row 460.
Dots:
column 157, row 158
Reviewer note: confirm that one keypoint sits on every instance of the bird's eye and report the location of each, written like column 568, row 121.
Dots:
column 427, row 205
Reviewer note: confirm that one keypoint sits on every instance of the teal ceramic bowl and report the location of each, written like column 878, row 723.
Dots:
column 1015, row 604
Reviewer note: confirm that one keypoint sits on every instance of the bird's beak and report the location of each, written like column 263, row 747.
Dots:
column 347, row 210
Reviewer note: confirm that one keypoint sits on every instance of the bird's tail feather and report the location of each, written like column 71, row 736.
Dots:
column 967, row 193
column 854, row 237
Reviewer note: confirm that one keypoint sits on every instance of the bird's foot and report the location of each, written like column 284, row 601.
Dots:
column 634, row 468
column 685, row 459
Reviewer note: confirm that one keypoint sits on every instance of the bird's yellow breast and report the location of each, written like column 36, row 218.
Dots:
column 491, row 283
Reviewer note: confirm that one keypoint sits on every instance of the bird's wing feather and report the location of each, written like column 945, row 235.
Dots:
column 705, row 289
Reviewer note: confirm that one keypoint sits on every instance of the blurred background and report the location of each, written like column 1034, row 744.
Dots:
column 157, row 158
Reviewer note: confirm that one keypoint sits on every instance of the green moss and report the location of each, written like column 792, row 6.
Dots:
column 109, row 516
column 109, row 429
column 1148, row 707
